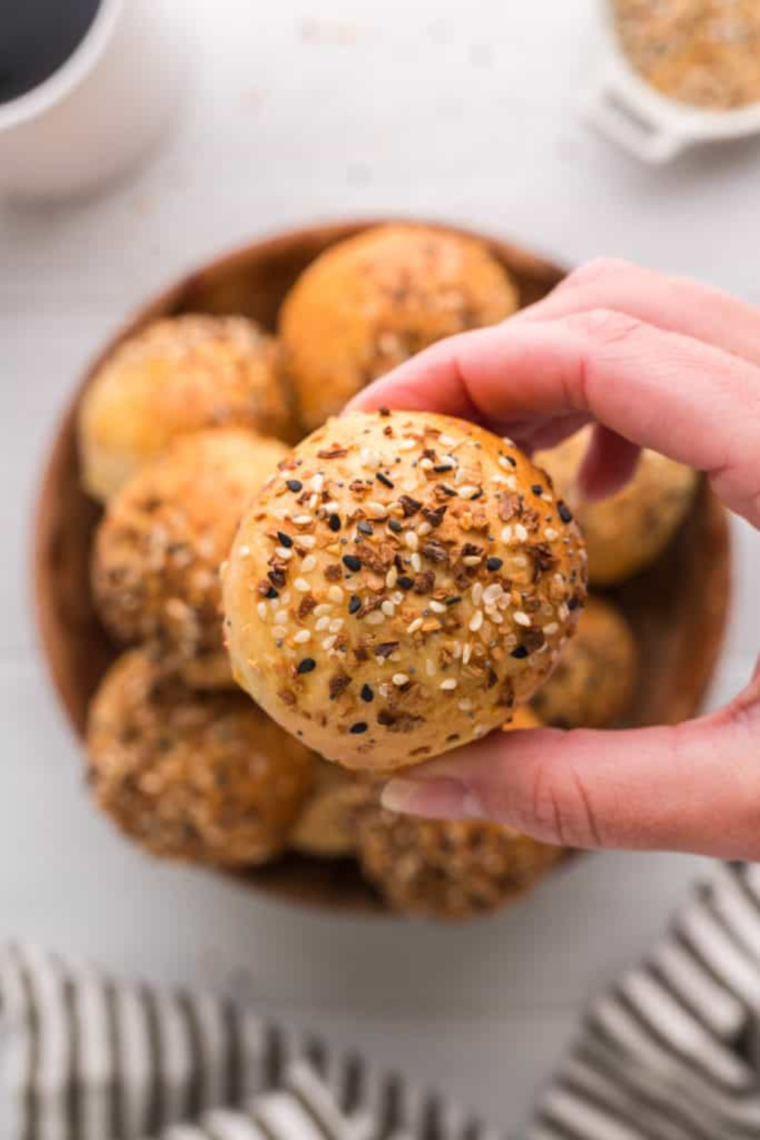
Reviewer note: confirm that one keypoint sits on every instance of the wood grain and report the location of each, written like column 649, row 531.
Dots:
column 678, row 609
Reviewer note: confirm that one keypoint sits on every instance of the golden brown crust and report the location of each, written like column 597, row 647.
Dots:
column 595, row 679
column 178, row 375
column 372, row 301
column 627, row 532
column 448, row 870
column 158, row 551
column 327, row 825
column 399, row 585
column 205, row 778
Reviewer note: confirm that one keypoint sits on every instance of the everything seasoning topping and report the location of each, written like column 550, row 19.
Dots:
column 451, row 582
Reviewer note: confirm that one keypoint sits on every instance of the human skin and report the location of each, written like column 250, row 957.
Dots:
column 656, row 362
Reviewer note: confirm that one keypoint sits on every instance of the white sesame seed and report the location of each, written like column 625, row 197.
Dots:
column 289, row 653
column 308, row 563
column 447, row 461
column 563, row 612
column 472, row 559
column 550, row 533
column 504, row 462
column 397, row 598
column 478, row 731
column 317, row 482
column 377, row 510
column 519, row 560
column 375, row 617
column 506, row 534
column 511, row 482
column 303, row 520
column 465, row 705
column 426, row 464
column 456, row 650
column 279, row 631
column 400, row 679
column 467, row 653
column 302, row 585
column 321, row 623
column 558, row 579
column 281, row 513
column 322, row 609
column 285, row 599
column 500, row 479
column 477, row 593
column 459, row 475
column 384, row 690
column 284, row 553
column 449, row 684
column 263, row 611
column 521, row 533
column 547, row 497
column 335, row 594
column 391, row 577
column 496, row 617
column 468, row 491
column 521, row 618
column 414, row 626
column 411, row 540
column 281, row 618
column 447, row 441
column 430, row 668
column 476, row 621
column 302, row 637
column 364, row 457
column 275, row 604
column 388, row 608
column 551, row 628
column 328, row 643
column 336, row 625
column 416, row 562
column 437, row 607
column 424, row 529
column 313, row 502
column 307, row 541
column 407, row 445
column 509, row 442
column 492, row 593
column 244, row 551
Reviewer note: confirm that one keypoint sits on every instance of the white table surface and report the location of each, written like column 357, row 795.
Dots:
column 299, row 112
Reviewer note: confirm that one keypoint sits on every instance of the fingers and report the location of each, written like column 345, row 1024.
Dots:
column 608, row 464
column 674, row 304
column 657, row 389
column 694, row 787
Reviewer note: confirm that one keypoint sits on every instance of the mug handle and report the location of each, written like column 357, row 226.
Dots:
column 607, row 109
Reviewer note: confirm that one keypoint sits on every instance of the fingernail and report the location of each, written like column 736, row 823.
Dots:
column 434, row 799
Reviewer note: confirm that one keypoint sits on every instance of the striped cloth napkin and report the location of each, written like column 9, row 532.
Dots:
column 672, row 1050
column 84, row 1057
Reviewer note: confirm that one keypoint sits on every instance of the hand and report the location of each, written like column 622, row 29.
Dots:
column 656, row 362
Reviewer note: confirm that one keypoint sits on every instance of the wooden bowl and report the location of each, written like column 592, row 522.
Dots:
column 677, row 609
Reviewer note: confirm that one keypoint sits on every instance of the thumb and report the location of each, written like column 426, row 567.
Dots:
column 691, row 787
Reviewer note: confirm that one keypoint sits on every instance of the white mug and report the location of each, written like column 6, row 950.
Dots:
column 104, row 108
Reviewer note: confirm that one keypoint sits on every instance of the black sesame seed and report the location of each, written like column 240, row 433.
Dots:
column 404, row 582
column 448, row 491
column 351, row 562
column 520, row 653
column 537, row 489
column 573, row 604
column 452, row 601
column 478, row 495
column 386, row 482
column 395, row 526
column 494, row 564
column 383, row 411
column 367, row 694
column 564, row 512
column 285, row 539
column 443, row 467
column 334, row 522
column 365, row 527
column 509, row 459
column 306, row 666
column 294, row 485
column 355, row 604
column 360, row 727
column 271, row 593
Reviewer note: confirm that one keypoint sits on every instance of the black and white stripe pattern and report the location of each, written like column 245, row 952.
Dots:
column 672, row 1050
column 83, row 1057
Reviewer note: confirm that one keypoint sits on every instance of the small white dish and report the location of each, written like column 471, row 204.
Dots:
column 630, row 112
column 104, row 108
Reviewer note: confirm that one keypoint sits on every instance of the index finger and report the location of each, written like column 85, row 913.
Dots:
column 658, row 389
